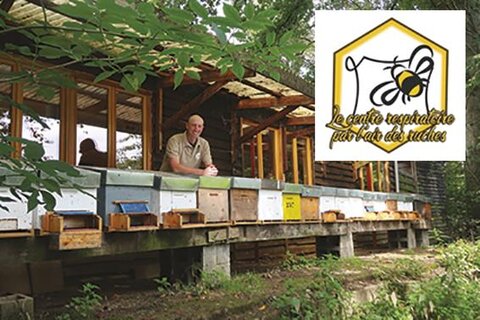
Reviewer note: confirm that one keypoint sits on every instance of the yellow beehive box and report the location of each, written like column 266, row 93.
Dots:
column 291, row 206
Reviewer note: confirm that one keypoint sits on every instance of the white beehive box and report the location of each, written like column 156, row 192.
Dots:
column 73, row 199
column 16, row 218
column 270, row 200
column 173, row 192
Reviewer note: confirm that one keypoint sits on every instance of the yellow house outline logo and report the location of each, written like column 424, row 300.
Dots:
column 340, row 55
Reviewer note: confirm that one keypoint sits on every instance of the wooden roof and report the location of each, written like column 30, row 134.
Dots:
column 255, row 91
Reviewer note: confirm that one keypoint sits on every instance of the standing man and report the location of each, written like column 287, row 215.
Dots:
column 186, row 152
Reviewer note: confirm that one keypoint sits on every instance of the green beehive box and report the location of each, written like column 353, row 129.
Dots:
column 311, row 191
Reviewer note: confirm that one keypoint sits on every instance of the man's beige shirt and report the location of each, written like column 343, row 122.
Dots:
column 188, row 155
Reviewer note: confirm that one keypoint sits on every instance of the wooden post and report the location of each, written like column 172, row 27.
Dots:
column 68, row 125
column 112, row 128
column 361, row 177
column 252, row 156
column 308, row 156
column 387, row 175
column 16, row 124
column 379, row 176
column 261, row 173
column 370, row 185
column 159, row 108
column 147, row 133
column 277, row 155
column 295, row 160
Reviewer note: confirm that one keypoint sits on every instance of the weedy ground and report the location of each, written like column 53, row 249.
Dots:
column 436, row 283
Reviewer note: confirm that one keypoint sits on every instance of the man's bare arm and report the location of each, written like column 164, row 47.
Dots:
column 177, row 167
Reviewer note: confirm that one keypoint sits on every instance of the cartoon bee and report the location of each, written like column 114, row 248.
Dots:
column 410, row 81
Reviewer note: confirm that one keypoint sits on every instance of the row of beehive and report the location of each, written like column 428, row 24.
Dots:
column 220, row 199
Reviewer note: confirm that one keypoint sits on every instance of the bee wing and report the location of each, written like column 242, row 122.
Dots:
column 421, row 59
column 379, row 91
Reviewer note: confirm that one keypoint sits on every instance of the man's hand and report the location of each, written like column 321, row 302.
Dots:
column 211, row 170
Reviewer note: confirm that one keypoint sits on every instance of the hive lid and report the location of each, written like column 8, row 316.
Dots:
column 166, row 181
column 270, row 184
column 311, row 191
column 208, row 182
column 246, row 183
column 118, row 177
column 292, row 188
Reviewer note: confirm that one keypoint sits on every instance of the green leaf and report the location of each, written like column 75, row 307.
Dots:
column 231, row 12
column 51, row 185
column 62, row 167
column 197, row 8
column 34, row 151
column 51, row 52
column 254, row 25
column 238, row 70
column 129, row 82
column 49, row 200
column 193, row 74
column 140, row 76
column 79, row 10
column 249, row 10
column 178, row 78
column 179, row 15
column 275, row 75
column 46, row 92
column 104, row 75
column 285, row 37
column 220, row 34
column 6, row 149
column 270, row 38
column 32, row 201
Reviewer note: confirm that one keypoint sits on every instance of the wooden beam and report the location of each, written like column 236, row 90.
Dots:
column 254, row 85
column 205, row 76
column 300, row 121
column 193, row 104
column 302, row 132
column 266, row 123
column 5, row 5
column 273, row 102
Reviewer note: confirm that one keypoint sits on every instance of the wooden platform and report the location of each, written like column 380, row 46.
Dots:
column 17, row 234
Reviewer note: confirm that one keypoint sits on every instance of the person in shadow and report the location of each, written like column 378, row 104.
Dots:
column 91, row 156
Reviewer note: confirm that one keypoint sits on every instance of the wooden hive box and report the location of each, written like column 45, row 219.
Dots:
column 291, row 201
column 213, row 198
column 270, row 203
column 329, row 216
column 134, row 216
column 183, row 218
column 244, row 199
column 73, row 230
column 310, row 203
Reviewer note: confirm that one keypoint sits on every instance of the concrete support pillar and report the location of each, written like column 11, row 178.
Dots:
column 346, row 245
column 411, row 239
column 422, row 238
column 216, row 258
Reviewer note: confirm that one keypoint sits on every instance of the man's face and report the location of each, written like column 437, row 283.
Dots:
column 194, row 128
